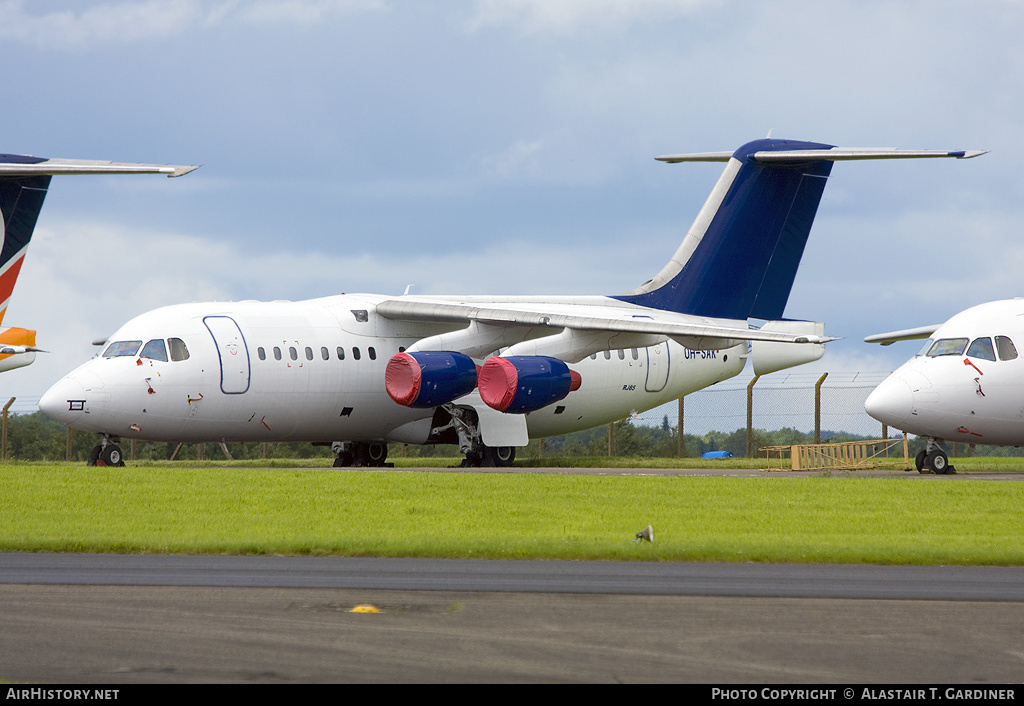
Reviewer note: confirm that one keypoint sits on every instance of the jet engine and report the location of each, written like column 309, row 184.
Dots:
column 520, row 384
column 429, row 378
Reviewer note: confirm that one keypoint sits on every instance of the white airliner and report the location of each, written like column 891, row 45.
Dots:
column 966, row 384
column 358, row 371
column 23, row 184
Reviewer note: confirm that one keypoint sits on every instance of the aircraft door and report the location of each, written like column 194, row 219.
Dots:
column 657, row 367
column 234, row 354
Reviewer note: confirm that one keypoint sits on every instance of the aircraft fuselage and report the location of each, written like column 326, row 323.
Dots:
column 314, row 371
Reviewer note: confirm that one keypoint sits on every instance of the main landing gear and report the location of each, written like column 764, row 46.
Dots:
column 490, row 457
column 106, row 453
column 466, row 425
column 933, row 459
column 360, row 454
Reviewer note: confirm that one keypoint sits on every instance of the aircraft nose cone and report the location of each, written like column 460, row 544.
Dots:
column 59, row 402
column 891, row 402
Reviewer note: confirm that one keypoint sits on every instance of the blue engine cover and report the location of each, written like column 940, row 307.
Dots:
column 520, row 384
column 429, row 378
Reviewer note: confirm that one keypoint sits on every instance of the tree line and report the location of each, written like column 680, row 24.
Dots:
column 36, row 437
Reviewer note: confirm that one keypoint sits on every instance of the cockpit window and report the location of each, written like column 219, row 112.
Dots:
column 178, row 349
column 121, row 348
column 1007, row 351
column 154, row 349
column 947, row 346
column 982, row 348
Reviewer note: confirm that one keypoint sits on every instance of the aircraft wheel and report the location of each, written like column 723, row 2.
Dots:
column 937, row 461
column 343, row 460
column 502, row 456
column 919, row 460
column 111, row 455
column 376, row 454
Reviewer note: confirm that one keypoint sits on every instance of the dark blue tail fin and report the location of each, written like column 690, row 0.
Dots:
column 21, row 200
column 740, row 257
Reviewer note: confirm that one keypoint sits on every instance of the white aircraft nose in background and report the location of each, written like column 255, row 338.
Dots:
column 965, row 386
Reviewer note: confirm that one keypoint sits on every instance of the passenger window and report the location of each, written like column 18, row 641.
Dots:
column 982, row 349
column 947, row 346
column 309, row 353
column 261, row 353
column 294, row 354
column 180, row 352
column 155, row 350
column 593, row 356
column 324, row 353
column 373, row 352
column 636, row 356
column 121, row 348
column 607, row 355
column 1007, row 351
column 277, row 353
column 622, row 354
column 355, row 353
column 341, row 353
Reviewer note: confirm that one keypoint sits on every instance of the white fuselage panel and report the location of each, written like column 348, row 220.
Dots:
column 314, row 371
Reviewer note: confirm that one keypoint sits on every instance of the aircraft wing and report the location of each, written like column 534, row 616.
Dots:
column 30, row 166
column 910, row 334
column 581, row 317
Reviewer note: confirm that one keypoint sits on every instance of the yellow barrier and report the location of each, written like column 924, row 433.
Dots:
column 842, row 456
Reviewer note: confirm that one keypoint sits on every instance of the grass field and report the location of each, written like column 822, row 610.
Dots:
column 231, row 509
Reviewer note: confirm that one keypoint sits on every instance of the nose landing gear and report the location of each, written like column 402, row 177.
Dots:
column 106, row 453
column 933, row 459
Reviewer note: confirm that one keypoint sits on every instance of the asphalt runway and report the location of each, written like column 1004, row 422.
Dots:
column 144, row 619
column 123, row 619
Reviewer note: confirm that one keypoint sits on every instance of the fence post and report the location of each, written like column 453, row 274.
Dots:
column 611, row 439
column 750, row 413
column 681, row 444
column 817, row 409
column 4, row 442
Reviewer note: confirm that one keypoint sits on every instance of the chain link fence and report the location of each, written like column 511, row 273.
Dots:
column 783, row 400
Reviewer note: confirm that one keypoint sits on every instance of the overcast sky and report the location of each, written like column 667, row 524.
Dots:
column 501, row 147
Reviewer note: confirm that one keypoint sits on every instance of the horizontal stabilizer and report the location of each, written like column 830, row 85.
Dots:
column 835, row 154
column 910, row 334
column 17, row 165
